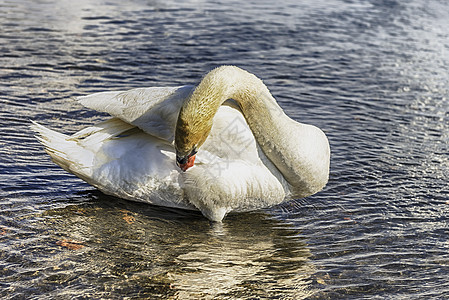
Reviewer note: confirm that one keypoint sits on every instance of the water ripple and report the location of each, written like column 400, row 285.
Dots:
column 372, row 74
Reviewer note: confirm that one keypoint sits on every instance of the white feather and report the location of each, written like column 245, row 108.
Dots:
column 154, row 110
column 132, row 155
column 121, row 160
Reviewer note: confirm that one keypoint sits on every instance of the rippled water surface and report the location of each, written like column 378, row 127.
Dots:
column 372, row 74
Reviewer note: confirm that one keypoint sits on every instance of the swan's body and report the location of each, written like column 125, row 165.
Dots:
column 250, row 154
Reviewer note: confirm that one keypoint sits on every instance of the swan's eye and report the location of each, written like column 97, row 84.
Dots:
column 182, row 160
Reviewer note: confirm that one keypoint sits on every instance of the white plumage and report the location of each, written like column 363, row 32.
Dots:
column 132, row 155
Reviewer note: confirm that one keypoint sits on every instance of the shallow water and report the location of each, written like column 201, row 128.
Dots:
column 372, row 74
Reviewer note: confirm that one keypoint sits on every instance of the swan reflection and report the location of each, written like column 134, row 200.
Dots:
column 178, row 254
column 253, row 255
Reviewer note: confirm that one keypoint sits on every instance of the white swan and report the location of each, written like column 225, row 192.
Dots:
column 249, row 153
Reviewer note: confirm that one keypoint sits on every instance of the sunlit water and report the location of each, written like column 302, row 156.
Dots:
column 372, row 74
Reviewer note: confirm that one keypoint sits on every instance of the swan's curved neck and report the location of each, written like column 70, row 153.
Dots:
column 278, row 136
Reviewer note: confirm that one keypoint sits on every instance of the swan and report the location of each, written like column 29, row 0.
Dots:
column 224, row 145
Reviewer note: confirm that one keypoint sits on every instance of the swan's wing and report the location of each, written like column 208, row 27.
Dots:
column 120, row 160
column 154, row 110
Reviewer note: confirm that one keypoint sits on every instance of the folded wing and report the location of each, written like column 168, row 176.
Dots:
column 154, row 110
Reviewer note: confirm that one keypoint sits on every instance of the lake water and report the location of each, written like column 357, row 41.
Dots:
column 373, row 74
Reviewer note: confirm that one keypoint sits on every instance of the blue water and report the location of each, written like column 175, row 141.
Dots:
column 372, row 74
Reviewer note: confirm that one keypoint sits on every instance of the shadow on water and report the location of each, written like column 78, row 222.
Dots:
column 105, row 246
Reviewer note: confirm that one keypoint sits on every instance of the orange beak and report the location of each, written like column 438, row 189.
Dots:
column 190, row 162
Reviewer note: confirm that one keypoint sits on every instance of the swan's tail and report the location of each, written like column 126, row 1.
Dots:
column 65, row 151
column 76, row 153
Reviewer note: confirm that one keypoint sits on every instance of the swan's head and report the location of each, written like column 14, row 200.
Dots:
column 196, row 116
column 189, row 136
